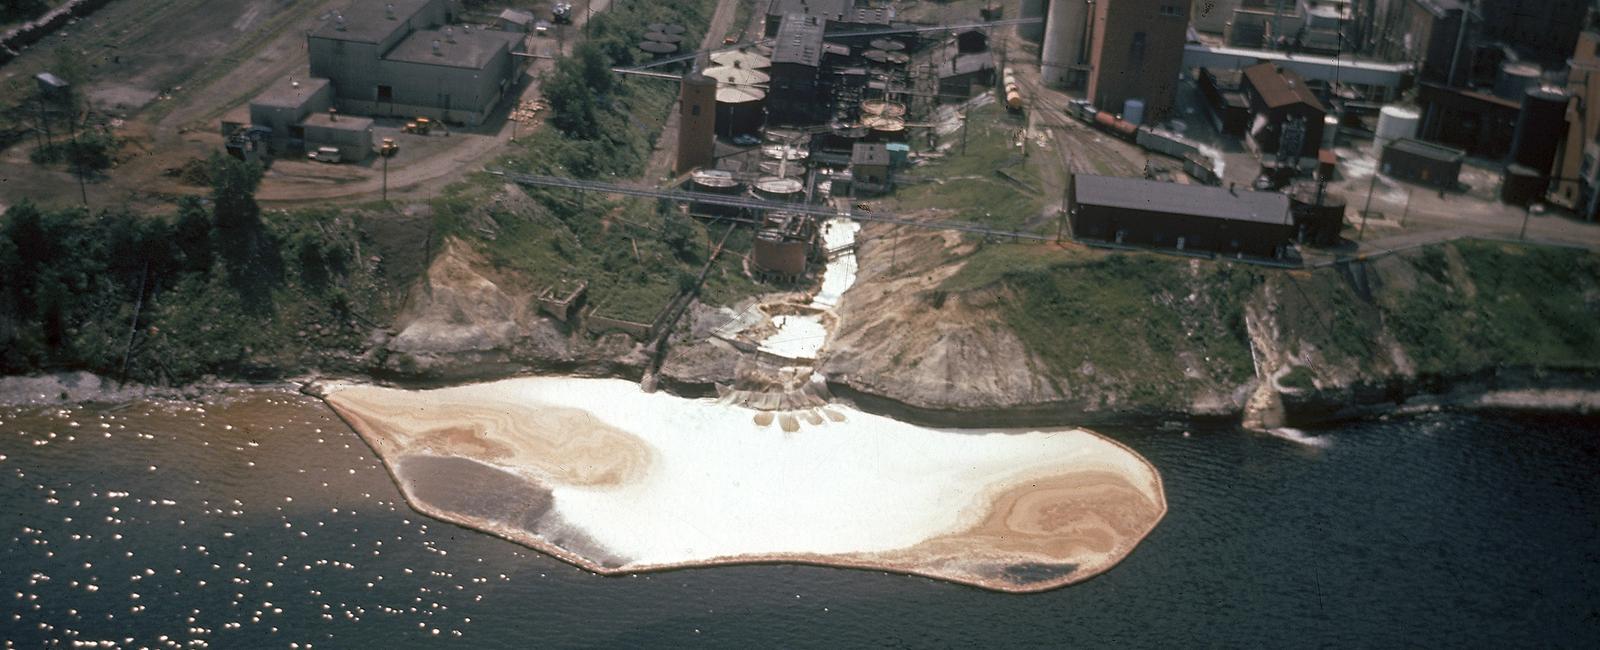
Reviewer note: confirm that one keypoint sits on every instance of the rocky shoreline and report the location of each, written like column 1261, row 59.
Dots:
column 1530, row 390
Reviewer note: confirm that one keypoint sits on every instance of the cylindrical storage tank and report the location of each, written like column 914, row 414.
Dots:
column 744, row 57
column 1315, row 224
column 882, row 107
column 741, row 103
column 713, row 182
column 740, row 111
column 1515, row 78
column 1396, row 122
column 657, row 48
column 1133, row 111
column 1523, row 185
column 1330, row 132
column 1539, row 129
column 697, row 122
column 786, row 190
column 882, row 128
column 1032, row 32
column 774, row 253
column 1063, row 42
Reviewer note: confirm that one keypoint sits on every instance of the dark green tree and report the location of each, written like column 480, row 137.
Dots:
column 15, row 10
column 578, row 89
column 679, row 235
column 192, row 235
column 240, row 239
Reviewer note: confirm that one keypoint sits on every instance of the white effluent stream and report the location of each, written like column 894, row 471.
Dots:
column 800, row 337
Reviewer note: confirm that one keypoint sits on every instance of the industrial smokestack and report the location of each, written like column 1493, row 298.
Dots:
column 388, row 11
column 438, row 48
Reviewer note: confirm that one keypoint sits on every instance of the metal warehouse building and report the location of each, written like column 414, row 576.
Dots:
column 1185, row 217
column 297, row 118
column 396, row 58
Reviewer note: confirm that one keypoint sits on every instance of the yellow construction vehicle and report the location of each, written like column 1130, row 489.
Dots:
column 421, row 126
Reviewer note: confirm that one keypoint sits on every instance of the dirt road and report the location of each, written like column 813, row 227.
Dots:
column 661, row 162
column 300, row 182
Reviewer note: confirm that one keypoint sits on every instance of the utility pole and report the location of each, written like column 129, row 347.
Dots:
column 1370, row 187
column 386, row 176
column 76, row 154
column 1461, row 37
column 1407, row 211
column 963, row 134
column 1527, row 211
column 1277, row 17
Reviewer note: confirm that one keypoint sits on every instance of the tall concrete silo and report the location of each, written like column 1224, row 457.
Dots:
column 1064, row 43
column 1032, row 32
column 697, row 122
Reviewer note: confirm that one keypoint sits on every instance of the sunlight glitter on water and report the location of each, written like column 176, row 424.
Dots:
column 195, row 510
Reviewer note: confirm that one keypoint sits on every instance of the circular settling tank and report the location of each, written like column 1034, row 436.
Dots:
column 787, row 190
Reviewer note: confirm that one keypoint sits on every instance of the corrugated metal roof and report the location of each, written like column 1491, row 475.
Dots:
column 367, row 21
column 829, row 9
column 289, row 92
column 1190, row 200
column 1428, row 150
column 1280, row 87
column 471, row 49
column 799, row 41
column 869, row 153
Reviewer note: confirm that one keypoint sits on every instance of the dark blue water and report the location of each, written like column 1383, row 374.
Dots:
column 157, row 525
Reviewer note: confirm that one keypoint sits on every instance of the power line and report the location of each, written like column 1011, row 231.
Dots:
column 758, row 204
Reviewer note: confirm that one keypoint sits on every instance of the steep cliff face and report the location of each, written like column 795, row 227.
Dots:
column 902, row 338
column 1464, row 317
column 948, row 327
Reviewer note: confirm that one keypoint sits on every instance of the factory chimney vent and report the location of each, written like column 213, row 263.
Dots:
column 388, row 11
column 438, row 48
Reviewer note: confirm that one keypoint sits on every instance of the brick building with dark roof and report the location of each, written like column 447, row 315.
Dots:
column 1219, row 220
column 797, row 71
column 1276, row 96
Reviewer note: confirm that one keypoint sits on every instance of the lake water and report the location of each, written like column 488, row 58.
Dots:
column 260, row 520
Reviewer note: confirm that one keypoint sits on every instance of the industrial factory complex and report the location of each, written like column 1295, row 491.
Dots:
column 1258, row 121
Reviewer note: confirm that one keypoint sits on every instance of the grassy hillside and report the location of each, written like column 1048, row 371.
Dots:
column 1148, row 326
column 1481, row 304
column 987, row 182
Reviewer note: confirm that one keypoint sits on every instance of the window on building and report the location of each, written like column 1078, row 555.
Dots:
column 1172, row 10
column 1136, row 49
column 694, row 110
column 385, row 93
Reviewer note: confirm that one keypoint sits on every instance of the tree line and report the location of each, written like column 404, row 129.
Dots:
column 104, row 291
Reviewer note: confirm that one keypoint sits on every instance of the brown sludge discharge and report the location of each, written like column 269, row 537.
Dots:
column 566, row 444
column 1051, row 532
